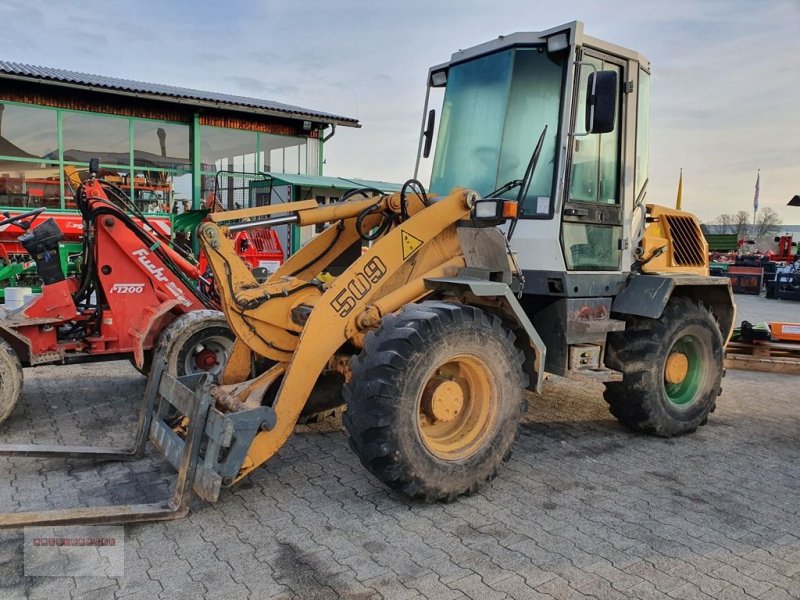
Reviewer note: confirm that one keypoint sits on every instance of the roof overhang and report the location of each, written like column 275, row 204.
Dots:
column 299, row 114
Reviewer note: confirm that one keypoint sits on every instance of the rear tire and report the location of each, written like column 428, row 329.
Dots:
column 10, row 380
column 435, row 399
column 672, row 369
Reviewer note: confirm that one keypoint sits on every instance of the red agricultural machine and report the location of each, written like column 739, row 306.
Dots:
column 132, row 293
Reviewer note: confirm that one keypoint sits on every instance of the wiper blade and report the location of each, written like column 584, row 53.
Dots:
column 525, row 183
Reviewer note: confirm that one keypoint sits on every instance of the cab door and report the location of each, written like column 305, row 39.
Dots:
column 592, row 217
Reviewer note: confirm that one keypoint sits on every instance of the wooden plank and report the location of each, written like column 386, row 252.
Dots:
column 764, row 346
column 767, row 365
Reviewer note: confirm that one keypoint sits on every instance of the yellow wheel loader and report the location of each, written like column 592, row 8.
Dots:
column 533, row 252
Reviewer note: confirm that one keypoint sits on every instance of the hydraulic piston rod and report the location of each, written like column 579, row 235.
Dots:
column 264, row 223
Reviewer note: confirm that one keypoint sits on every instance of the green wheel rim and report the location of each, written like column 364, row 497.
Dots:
column 685, row 392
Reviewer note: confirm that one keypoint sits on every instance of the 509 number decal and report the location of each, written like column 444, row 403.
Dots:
column 358, row 287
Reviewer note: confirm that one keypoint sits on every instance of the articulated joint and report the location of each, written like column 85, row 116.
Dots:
column 209, row 232
column 371, row 317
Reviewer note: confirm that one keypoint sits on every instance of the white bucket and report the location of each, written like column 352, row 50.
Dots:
column 15, row 297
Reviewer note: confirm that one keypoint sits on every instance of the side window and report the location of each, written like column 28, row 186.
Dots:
column 595, row 157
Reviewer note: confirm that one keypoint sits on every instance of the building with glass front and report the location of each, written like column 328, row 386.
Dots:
column 163, row 144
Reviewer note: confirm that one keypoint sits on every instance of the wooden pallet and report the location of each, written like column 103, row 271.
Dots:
column 771, row 357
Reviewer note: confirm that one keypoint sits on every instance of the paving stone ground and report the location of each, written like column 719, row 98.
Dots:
column 582, row 509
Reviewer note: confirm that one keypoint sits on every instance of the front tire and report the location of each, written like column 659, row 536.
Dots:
column 435, row 399
column 197, row 342
column 672, row 369
column 10, row 380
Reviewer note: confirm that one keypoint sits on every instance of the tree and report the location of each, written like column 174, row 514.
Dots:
column 768, row 221
column 724, row 223
column 741, row 224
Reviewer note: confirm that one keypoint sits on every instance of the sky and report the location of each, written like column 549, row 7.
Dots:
column 725, row 89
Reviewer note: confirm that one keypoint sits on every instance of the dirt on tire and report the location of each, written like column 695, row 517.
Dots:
column 383, row 397
column 10, row 380
column 640, row 401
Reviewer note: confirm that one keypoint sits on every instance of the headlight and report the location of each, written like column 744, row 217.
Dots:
column 495, row 209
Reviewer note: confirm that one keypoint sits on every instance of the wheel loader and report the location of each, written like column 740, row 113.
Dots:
column 534, row 252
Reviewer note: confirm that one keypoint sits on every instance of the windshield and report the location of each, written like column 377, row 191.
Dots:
column 495, row 108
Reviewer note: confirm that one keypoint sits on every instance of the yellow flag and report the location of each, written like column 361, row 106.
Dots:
column 680, row 192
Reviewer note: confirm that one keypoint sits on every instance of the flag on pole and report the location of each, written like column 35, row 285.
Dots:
column 758, row 188
column 680, row 192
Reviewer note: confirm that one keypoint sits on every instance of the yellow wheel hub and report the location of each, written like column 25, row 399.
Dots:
column 677, row 368
column 458, row 407
column 446, row 401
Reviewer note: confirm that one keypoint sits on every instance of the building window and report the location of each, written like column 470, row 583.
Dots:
column 152, row 161
column 29, row 184
column 283, row 154
column 161, row 190
column 28, row 132
column 228, row 149
column 161, row 145
column 86, row 136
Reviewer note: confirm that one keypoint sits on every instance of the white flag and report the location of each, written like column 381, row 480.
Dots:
column 758, row 188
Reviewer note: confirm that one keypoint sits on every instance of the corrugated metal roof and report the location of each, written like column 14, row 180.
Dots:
column 183, row 95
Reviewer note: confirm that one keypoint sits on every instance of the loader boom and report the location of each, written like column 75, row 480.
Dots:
column 389, row 276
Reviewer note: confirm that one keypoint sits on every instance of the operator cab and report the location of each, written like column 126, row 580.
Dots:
column 581, row 213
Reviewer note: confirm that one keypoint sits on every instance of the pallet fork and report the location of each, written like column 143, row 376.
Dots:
column 210, row 447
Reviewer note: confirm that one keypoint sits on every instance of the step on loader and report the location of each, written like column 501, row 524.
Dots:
column 527, row 257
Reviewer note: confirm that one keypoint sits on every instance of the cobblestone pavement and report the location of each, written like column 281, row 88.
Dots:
column 583, row 508
column 757, row 309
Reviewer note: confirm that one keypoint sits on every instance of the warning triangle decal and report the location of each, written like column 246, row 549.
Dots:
column 410, row 243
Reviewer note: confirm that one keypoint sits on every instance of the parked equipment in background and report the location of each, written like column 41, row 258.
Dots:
column 746, row 279
column 450, row 306
column 133, row 292
column 18, row 269
column 771, row 347
column 785, row 282
column 786, row 251
column 259, row 249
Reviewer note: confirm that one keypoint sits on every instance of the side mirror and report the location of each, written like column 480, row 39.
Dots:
column 428, row 134
column 94, row 165
column 601, row 102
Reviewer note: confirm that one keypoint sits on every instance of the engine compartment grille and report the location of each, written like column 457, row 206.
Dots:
column 686, row 237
